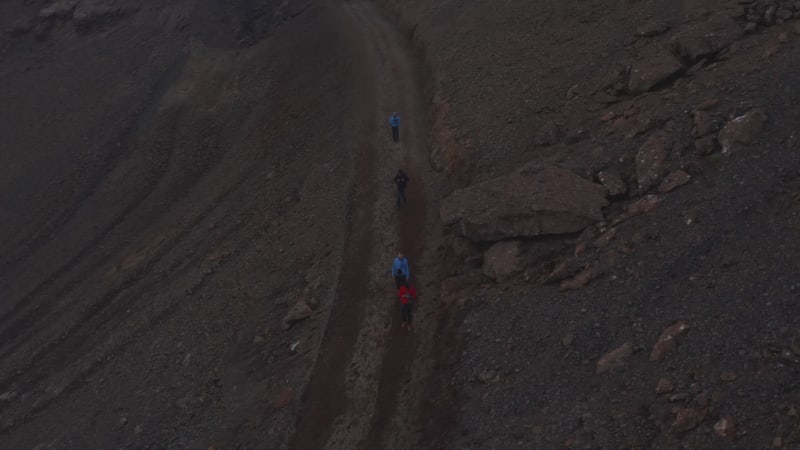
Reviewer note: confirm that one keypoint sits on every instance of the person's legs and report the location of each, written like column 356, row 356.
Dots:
column 407, row 314
column 401, row 196
column 399, row 280
column 396, row 133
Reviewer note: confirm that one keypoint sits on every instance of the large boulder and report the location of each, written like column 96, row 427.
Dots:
column 532, row 201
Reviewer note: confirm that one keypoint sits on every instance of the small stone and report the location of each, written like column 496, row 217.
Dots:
column 673, row 181
column 572, row 92
column 651, row 29
column 258, row 339
column 703, row 124
column 666, row 342
column 581, row 279
column 679, row 397
column 750, row 27
column 605, row 238
column 727, row 376
column 687, row 419
column 567, row 339
column 615, row 358
column 641, row 206
column 612, row 182
column 283, row 398
column 724, row 427
column 705, row 145
column 783, row 37
column 650, row 161
column 744, row 129
column 792, row 412
column 777, row 442
column 664, row 386
column 300, row 311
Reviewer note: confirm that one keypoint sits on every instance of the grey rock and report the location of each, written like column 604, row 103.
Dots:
column 532, row 201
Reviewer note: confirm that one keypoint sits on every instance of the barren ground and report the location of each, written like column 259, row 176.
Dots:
column 177, row 176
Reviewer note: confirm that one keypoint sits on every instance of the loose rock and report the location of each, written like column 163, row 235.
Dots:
column 612, row 182
column 651, row 29
column 299, row 311
column 664, row 386
column 744, row 129
column 724, row 427
column 283, row 398
column 605, row 238
column 650, row 161
column 687, row 419
column 615, row 358
column 639, row 207
column 582, row 279
column 703, row 124
column 674, row 180
column 666, row 342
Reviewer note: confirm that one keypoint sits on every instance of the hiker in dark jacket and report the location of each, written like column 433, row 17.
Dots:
column 407, row 295
column 401, row 180
column 400, row 270
column 394, row 122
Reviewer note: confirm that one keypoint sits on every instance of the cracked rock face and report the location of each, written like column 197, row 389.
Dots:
column 532, row 201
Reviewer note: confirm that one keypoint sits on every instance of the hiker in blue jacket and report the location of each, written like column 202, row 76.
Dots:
column 400, row 270
column 394, row 121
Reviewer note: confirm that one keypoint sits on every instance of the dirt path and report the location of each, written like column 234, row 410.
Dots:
column 366, row 359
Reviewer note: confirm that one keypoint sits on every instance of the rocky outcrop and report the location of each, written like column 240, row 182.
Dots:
column 532, row 201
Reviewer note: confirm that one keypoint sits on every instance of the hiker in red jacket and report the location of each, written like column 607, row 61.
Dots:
column 406, row 293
